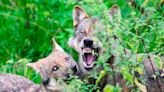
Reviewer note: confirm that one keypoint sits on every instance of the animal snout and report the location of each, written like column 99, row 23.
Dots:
column 46, row 81
column 88, row 42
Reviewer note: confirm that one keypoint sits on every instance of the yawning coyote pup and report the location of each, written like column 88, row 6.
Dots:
column 54, row 70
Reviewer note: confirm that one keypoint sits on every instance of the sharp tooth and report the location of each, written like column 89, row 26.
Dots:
column 84, row 51
column 93, row 52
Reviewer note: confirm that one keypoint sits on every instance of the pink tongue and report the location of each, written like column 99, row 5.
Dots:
column 89, row 59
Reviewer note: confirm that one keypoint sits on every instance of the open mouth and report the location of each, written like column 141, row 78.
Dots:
column 89, row 56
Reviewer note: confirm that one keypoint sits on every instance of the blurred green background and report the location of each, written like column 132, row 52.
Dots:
column 27, row 26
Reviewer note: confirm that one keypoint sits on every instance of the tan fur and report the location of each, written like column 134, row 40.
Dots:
column 58, row 58
column 53, row 69
column 15, row 83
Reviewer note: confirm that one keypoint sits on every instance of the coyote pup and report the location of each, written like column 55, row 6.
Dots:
column 54, row 71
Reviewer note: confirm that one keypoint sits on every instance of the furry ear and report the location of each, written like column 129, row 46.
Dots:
column 70, row 42
column 115, row 14
column 56, row 46
column 78, row 15
column 34, row 66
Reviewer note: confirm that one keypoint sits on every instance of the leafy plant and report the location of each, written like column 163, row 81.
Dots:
column 27, row 26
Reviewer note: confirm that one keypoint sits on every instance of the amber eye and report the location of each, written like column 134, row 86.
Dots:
column 82, row 33
column 55, row 68
column 67, row 59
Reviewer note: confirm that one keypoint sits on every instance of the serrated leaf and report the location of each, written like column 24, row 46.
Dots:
column 108, row 88
column 158, row 62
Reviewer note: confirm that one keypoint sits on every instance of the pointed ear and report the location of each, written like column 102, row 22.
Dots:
column 34, row 66
column 78, row 15
column 56, row 46
column 71, row 42
column 115, row 14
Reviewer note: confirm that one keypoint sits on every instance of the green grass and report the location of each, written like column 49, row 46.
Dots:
column 26, row 29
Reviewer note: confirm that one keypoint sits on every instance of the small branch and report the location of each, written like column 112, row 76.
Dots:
column 134, row 4
column 111, row 63
column 150, row 62
column 162, row 3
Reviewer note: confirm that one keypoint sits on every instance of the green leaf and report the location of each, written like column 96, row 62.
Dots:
column 110, row 88
column 158, row 62
column 102, row 74
column 11, row 61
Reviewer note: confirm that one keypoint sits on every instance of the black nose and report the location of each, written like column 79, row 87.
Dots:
column 88, row 42
column 74, row 68
column 46, row 81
